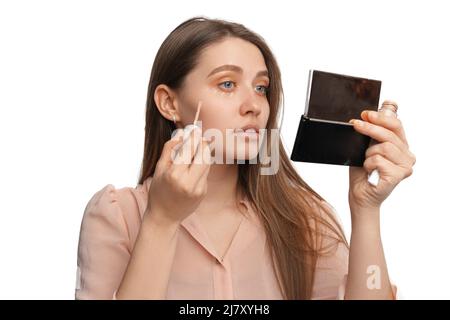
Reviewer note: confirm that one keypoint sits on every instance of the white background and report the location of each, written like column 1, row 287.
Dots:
column 73, row 82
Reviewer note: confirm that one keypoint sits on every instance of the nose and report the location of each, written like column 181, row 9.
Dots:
column 250, row 103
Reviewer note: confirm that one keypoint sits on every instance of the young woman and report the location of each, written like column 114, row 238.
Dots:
column 196, row 229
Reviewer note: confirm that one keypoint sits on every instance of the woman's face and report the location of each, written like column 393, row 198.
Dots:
column 231, row 80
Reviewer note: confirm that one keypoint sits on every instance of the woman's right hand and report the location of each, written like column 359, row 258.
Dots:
column 180, row 180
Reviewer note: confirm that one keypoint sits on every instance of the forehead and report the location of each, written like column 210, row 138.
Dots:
column 233, row 51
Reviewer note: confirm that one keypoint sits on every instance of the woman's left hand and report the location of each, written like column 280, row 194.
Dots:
column 391, row 157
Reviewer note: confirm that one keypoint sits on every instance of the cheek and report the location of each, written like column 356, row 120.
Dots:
column 218, row 111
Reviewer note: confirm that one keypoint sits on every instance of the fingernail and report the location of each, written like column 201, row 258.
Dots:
column 364, row 113
column 357, row 122
column 389, row 113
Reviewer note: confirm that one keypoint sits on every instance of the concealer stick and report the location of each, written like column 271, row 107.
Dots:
column 190, row 127
column 198, row 112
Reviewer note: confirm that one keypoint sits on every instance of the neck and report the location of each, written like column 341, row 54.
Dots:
column 222, row 185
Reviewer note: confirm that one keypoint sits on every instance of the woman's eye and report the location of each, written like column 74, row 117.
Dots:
column 227, row 84
column 262, row 89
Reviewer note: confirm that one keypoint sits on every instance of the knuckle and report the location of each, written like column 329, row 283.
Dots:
column 368, row 164
column 198, row 193
column 174, row 140
column 384, row 148
column 168, row 143
column 397, row 124
column 389, row 148
column 185, row 189
column 414, row 159
column 372, row 150
column 166, row 147
column 409, row 172
column 172, row 176
column 377, row 159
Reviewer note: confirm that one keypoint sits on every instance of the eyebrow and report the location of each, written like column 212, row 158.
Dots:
column 232, row 67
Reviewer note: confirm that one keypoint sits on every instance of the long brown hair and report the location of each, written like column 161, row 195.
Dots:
column 286, row 205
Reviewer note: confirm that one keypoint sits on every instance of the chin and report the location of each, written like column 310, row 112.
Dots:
column 246, row 153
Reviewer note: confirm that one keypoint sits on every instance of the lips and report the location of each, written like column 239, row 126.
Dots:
column 247, row 132
column 247, row 129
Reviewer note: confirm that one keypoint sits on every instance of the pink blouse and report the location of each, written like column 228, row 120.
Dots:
column 109, row 229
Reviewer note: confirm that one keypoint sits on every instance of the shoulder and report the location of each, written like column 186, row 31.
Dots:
column 109, row 197
column 128, row 198
column 102, row 199
column 120, row 209
column 327, row 225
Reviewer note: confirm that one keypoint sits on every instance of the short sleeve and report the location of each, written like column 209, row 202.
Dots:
column 103, row 248
column 331, row 272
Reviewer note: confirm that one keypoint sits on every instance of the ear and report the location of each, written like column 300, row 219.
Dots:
column 166, row 103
